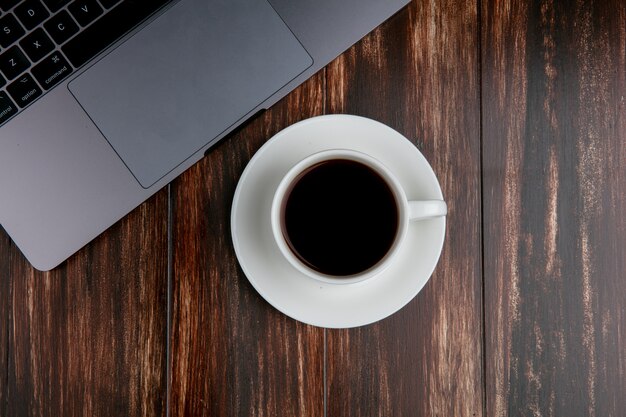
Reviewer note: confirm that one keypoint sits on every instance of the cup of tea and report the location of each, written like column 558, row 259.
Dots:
column 340, row 216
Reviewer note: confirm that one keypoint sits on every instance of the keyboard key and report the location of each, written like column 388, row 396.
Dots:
column 10, row 30
column 7, row 108
column 31, row 13
column 2, row 81
column 61, row 27
column 107, row 30
column 55, row 5
column 7, row 4
column 85, row 11
column 109, row 3
column 24, row 91
column 13, row 62
column 52, row 70
column 37, row 45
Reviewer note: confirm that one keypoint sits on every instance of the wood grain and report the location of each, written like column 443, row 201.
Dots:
column 5, row 307
column 419, row 73
column 543, row 80
column 554, row 179
column 89, row 338
column 233, row 354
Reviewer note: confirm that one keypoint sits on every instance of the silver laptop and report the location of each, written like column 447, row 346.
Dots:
column 104, row 102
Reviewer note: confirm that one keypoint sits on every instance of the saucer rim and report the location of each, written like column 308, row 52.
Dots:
column 264, row 292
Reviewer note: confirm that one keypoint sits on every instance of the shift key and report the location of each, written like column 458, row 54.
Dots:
column 52, row 70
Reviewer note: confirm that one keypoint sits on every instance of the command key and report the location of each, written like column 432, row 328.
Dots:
column 52, row 70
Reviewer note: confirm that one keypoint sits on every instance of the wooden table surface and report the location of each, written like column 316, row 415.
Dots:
column 520, row 108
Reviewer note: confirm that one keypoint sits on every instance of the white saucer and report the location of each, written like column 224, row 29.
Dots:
column 306, row 299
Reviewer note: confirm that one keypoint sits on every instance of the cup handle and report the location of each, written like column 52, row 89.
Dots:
column 427, row 209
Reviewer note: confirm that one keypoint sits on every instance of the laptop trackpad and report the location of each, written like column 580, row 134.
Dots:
column 181, row 81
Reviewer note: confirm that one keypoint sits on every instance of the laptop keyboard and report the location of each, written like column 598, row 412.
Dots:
column 44, row 41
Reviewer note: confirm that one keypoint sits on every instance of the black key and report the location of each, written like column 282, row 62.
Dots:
column 24, row 91
column 107, row 30
column 37, row 45
column 61, row 27
column 7, row 108
column 31, row 13
column 10, row 30
column 109, row 3
column 7, row 4
column 2, row 81
column 13, row 62
column 85, row 11
column 55, row 5
column 52, row 70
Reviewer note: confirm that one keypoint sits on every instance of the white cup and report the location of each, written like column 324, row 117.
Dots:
column 407, row 211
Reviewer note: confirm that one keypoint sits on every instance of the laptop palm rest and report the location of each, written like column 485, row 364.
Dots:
column 180, row 82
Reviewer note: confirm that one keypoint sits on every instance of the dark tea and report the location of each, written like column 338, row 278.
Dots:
column 340, row 217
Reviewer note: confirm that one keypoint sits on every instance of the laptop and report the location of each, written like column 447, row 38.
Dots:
column 104, row 102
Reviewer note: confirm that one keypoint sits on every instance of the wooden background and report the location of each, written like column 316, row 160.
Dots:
column 520, row 108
